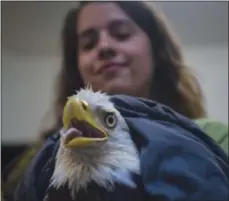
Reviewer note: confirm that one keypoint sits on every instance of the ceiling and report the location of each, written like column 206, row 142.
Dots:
column 33, row 27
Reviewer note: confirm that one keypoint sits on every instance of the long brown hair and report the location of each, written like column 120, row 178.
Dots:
column 173, row 83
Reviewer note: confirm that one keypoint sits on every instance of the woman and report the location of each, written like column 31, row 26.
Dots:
column 125, row 48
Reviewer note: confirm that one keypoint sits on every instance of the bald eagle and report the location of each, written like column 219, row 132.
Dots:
column 96, row 155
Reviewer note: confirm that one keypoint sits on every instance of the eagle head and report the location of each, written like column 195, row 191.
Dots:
column 94, row 143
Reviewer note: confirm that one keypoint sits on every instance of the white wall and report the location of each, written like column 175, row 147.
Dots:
column 211, row 66
column 27, row 88
column 27, row 91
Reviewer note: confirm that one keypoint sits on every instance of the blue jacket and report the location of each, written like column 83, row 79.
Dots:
column 179, row 162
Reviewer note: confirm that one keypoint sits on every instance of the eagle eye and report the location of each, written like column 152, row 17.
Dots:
column 110, row 120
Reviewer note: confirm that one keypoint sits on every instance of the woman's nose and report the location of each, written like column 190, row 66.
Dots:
column 106, row 48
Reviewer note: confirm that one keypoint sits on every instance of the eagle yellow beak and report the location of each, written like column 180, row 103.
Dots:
column 81, row 112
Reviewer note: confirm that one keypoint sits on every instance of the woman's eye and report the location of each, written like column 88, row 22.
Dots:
column 122, row 36
column 120, row 30
column 87, row 44
column 88, row 41
column 110, row 120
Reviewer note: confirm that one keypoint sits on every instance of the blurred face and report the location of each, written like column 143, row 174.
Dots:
column 114, row 53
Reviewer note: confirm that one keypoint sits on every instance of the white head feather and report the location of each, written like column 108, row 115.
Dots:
column 98, row 162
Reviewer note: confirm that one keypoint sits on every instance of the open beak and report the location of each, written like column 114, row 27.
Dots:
column 78, row 116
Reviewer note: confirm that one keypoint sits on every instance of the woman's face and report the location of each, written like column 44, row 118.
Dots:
column 115, row 55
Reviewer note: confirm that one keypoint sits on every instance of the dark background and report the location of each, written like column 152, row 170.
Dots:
column 9, row 152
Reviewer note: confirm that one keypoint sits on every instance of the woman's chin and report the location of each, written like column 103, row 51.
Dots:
column 117, row 88
column 125, row 89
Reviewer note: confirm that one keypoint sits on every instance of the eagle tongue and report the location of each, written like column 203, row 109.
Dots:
column 72, row 133
column 85, row 129
column 81, row 127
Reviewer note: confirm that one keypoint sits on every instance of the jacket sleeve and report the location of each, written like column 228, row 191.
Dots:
column 35, row 181
column 176, row 167
column 216, row 130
